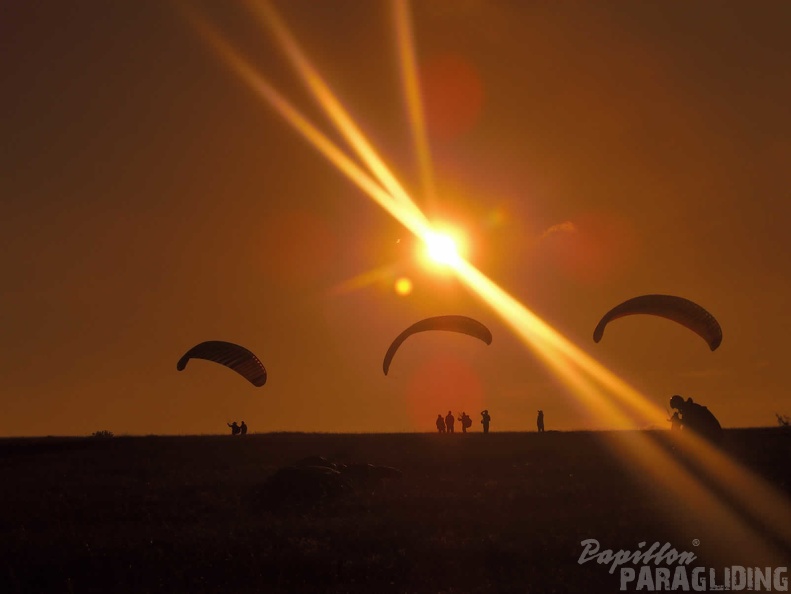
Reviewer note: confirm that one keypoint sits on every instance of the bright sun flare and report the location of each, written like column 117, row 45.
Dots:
column 442, row 249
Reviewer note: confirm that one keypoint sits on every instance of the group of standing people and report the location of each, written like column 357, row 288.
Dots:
column 238, row 429
column 447, row 423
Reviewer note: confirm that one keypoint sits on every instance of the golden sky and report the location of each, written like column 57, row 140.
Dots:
column 589, row 152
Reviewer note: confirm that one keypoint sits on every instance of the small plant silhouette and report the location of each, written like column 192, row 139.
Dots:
column 102, row 433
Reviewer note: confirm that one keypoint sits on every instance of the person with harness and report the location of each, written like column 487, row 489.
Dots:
column 466, row 422
column 696, row 417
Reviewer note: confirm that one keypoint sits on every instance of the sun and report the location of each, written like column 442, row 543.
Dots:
column 443, row 248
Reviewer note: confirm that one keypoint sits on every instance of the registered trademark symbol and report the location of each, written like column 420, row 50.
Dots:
column 695, row 542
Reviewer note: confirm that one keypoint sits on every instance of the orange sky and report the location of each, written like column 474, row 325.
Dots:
column 591, row 152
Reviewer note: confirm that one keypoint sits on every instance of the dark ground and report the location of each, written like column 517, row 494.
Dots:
column 472, row 513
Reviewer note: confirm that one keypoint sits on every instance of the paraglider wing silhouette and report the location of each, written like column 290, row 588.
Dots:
column 461, row 324
column 678, row 309
column 236, row 357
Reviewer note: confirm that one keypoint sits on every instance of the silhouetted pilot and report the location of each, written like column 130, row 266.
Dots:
column 540, row 421
column 485, row 420
column 235, row 429
column 440, row 424
column 466, row 422
column 243, row 428
column 697, row 418
column 449, row 421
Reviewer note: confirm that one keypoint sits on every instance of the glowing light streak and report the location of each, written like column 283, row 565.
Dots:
column 414, row 102
column 327, row 100
column 761, row 501
column 412, row 218
column 540, row 336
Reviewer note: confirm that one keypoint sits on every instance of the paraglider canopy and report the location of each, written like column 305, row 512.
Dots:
column 233, row 356
column 678, row 309
column 449, row 323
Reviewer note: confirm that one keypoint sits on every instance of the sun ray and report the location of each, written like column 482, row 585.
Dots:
column 321, row 91
column 764, row 503
column 412, row 94
column 411, row 218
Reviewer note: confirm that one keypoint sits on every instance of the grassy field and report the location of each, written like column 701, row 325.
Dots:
column 472, row 513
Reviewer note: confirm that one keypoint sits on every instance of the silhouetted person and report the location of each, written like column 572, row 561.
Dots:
column 449, row 421
column 697, row 418
column 440, row 424
column 675, row 421
column 235, row 429
column 466, row 422
column 540, row 421
column 243, row 428
column 485, row 420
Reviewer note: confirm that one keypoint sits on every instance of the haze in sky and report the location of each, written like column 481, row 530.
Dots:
column 585, row 153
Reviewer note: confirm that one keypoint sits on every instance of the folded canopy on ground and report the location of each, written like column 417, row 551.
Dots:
column 233, row 356
column 678, row 309
column 449, row 323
